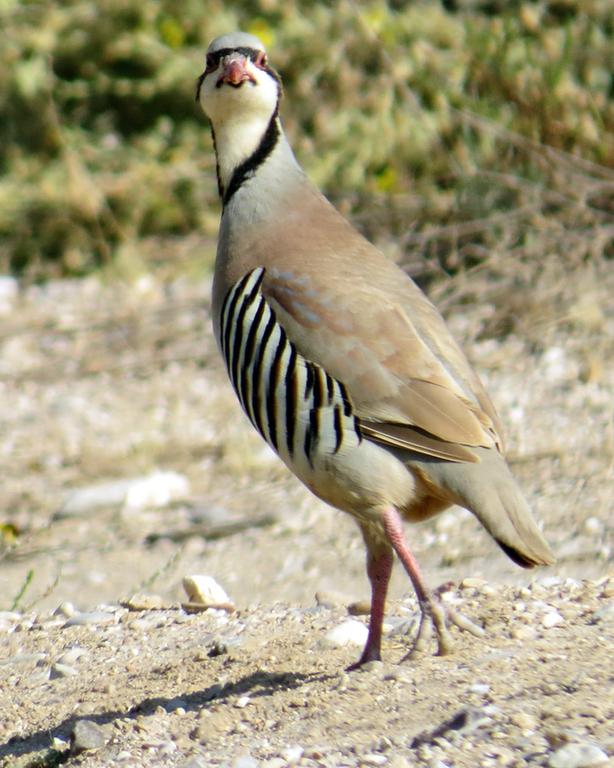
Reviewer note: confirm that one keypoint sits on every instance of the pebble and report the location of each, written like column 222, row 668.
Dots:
column 373, row 759
column 593, row 525
column 87, row 735
column 577, row 755
column 61, row 670
column 160, row 489
column 66, row 609
column 8, row 619
column 292, row 754
column 359, row 608
column 604, row 615
column 525, row 632
column 157, row 490
column 199, row 762
column 275, row 762
column 59, row 745
column 23, row 658
column 242, row 702
column 166, row 748
column 83, row 500
column 524, row 721
column 204, row 590
column 473, row 583
column 552, row 619
column 143, row 602
column 349, row 632
column 242, row 761
column 72, row 655
column 480, row 688
column 90, row 617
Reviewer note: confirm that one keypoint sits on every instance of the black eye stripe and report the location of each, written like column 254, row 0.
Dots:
column 250, row 53
column 213, row 60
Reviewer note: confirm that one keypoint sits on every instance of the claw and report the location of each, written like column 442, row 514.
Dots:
column 436, row 617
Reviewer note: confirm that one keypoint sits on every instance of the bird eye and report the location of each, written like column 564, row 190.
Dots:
column 261, row 60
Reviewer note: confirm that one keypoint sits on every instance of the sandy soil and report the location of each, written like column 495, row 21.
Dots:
column 106, row 385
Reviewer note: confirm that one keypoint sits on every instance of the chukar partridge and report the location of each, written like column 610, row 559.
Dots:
column 338, row 359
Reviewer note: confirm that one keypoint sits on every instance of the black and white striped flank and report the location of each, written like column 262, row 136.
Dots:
column 296, row 406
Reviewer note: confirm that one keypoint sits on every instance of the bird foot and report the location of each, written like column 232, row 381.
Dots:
column 436, row 618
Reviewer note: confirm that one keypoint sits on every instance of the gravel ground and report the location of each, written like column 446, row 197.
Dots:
column 127, row 465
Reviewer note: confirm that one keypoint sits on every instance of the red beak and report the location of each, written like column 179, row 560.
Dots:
column 235, row 73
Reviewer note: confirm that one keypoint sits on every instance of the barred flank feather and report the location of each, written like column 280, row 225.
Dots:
column 295, row 405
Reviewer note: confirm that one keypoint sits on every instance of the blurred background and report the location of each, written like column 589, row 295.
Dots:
column 472, row 141
column 411, row 115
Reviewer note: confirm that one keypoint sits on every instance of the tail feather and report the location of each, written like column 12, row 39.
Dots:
column 489, row 490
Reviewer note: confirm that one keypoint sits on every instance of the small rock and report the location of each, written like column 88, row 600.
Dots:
column 275, row 762
column 523, row 632
column 23, row 658
column 72, row 655
column 472, row 583
column 577, row 755
column 242, row 702
column 62, row 670
column 166, row 748
column 87, row 735
column 83, row 500
column 59, row 745
column 593, row 525
column 604, row 615
column 373, row 759
column 7, row 618
column 292, row 754
column 144, row 624
column 243, row 761
column 350, row 632
column 552, row 619
column 359, row 608
column 65, row 609
column 204, row 590
column 143, row 602
column 480, row 688
column 157, row 490
column 90, row 617
column 524, row 720
column 199, row 762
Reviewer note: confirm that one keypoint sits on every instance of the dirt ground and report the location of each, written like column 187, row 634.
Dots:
column 104, row 386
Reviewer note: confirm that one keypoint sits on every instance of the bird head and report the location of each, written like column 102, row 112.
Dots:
column 237, row 81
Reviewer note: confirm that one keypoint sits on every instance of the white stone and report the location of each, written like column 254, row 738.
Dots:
column 292, row 754
column 152, row 491
column 374, row 759
column 577, row 756
column 552, row 619
column 205, row 590
column 158, row 490
column 90, row 617
column 350, row 632
column 593, row 525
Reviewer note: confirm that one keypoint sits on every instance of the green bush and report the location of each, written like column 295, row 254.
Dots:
column 411, row 115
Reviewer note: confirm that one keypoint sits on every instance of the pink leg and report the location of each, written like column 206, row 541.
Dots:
column 434, row 614
column 379, row 568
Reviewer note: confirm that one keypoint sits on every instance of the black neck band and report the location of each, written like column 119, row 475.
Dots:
column 249, row 166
